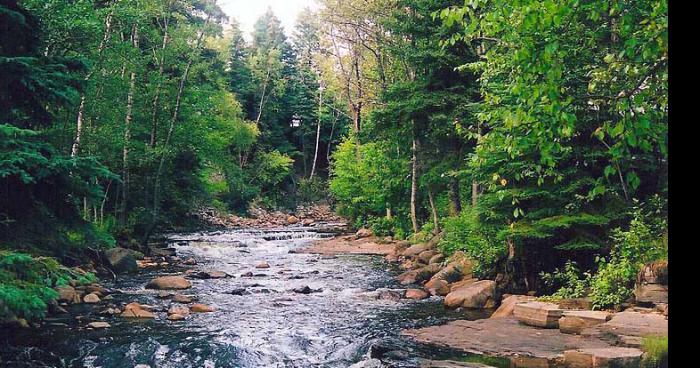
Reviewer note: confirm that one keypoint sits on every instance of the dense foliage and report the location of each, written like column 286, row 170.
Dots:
column 532, row 134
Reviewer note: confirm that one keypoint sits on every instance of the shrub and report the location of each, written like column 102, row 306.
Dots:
column 311, row 190
column 644, row 241
column 569, row 282
column 466, row 233
column 656, row 352
column 26, row 283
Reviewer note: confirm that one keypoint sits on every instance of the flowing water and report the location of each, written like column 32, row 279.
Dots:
column 340, row 323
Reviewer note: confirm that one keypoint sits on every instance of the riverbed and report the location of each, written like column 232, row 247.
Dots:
column 260, row 320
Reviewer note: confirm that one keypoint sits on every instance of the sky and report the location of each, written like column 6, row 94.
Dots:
column 248, row 11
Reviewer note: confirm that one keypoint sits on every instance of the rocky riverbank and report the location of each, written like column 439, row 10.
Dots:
column 529, row 332
column 178, row 285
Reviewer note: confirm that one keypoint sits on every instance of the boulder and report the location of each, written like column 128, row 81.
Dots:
column 121, row 260
column 91, row 298
column 460, row 268
column 201, row 308
column 176, row 317
column 363, row 233
column 68, row 294
column 477, row 295
column 416, row 294
column 425, row 256
column 573, row 322
column 418, row 275
column 169, row 282
column 603, row 358
column 98, row 324
column 654, row 273
column 415, row 250
column 136, row 310
column 292, row 219
column 538, row 314
column 651, row 293
column 438, row 258
column 508, row 305
column 652, row 283
column 263, row 264
column 437, row 287
column 190, row 262
column 461, row 283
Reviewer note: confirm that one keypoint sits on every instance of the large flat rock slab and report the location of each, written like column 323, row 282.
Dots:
column 349, row 245
column 503, row 337
column 538, row 314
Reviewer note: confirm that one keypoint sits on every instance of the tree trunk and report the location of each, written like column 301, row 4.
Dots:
column 156, row 97
column 78, row 127
column 318, row 132
column 414, row 184
column 262, row 96
column 127, row 132
column 330, row 139
column 454, row 197
column 173, row 120
column 436, row 222
column 81, row 108
column 475, row 185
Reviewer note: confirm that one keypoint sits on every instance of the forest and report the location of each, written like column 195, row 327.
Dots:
column 530, row 135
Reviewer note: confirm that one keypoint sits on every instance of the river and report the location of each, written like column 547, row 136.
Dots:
column 259, row 320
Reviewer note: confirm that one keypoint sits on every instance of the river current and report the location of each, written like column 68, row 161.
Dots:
column 260, row 321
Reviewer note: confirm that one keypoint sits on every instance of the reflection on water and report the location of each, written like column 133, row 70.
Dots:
column 260, row 321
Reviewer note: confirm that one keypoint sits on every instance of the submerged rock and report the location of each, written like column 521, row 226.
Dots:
column 169, row 282
column 176, row 317
column 416, row 294
column 263, row 264
column 180, row 298
column 389, row 295
column 99, row 324
column 136, row 310
column 201, row 308
column 179, row 309
column 211, row 275
column 304, row 290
